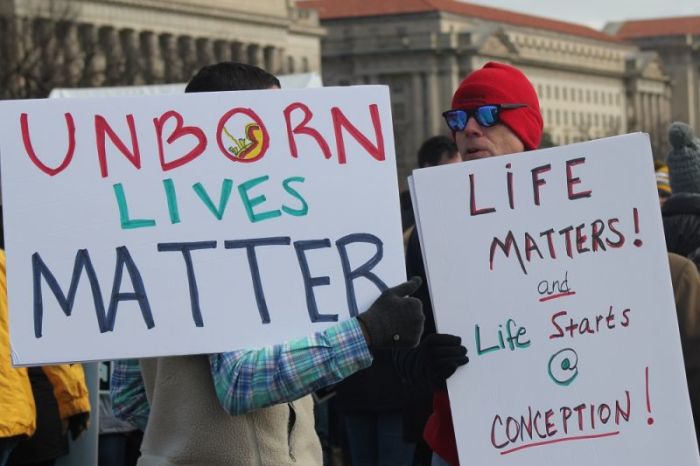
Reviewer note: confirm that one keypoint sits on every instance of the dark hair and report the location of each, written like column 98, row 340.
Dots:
column 231, row 76
column 432, row 150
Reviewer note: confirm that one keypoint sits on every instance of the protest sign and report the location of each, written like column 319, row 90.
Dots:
column 552, row 267
column 198, row 223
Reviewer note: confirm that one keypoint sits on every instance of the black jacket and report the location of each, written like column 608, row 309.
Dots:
column 681, row 217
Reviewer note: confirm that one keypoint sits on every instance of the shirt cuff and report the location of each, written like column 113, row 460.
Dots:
column 350, row 349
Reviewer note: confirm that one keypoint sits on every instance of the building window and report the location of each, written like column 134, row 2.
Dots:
column 549, row 114
column 556, row 92
column 588, row 95
column 566, row 117
column 564, row 93
column 595, row 97
column 548, row 91
column 580, row 95
column 558, row 118
column 305, row 65
column 573, row 118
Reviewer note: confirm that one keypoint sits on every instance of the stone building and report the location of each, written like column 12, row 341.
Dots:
column 588, row 81
column 677, row 40
column 64, row 43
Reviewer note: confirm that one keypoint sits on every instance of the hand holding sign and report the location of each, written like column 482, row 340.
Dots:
column 436, row 358
column 395, row 319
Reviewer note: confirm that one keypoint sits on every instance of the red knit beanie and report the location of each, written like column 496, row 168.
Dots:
column 498, row 83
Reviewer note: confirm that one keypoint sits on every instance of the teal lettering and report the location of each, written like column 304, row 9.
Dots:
column 126, row 222
column 173, row 210
column 304, row 206
column 226, row 187
column 249, row 203
column 480, row 351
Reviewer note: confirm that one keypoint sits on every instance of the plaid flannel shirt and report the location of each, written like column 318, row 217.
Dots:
column 251, row 379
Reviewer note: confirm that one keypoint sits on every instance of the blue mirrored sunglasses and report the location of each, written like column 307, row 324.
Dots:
column 486, row 115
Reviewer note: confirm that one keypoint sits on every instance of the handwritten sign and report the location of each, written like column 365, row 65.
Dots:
column 551, row 266
column 200, row 223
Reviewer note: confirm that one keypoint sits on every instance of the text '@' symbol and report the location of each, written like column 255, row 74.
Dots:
column 563, row 367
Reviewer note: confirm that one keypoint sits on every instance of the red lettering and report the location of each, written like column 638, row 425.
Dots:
column 579, row 410
column 103, row 128
column 301, row 128
column 598, row 226
column 531, row 246
column 581, row 239
column 620, row 237
column 566, row 414
column 560, row 331
column 550, row 242
column 180, row 131
column 567, row 235
column 340, row 122
column 548, row 424
column 26, row 139
column 625, row 318
column 537, row 182
column 493, row 433
column 473, row 210
column 571, row 181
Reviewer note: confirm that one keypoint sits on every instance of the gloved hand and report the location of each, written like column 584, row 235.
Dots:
column 437, row 357
column 77, row 424
column 394, row 320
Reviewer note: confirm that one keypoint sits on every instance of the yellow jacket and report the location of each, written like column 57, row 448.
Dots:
column 17, row 409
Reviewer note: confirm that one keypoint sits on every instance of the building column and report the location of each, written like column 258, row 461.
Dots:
column 68, row 53
column 188, row 55
column 280, row 61
column 239, row 52
column 222, row 51
column 419, row 114
column 172, row 65
column 94, row 61
column 255, row 55
column 114, row 60
column 133, row 57
column 432, row 90
column 153, row 66
column 270, row 59
column 205, row 52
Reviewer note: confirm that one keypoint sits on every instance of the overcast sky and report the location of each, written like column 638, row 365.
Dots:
column 596, row 13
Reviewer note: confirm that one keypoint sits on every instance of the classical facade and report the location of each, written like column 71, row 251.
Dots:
column 64, row 43
column 590, row 84
column 677, row 40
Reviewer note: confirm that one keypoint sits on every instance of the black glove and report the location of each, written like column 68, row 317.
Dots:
column 395, row 320
column 436, row 358
column 77, row 424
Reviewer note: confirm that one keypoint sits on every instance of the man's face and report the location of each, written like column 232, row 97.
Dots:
column 477, row 142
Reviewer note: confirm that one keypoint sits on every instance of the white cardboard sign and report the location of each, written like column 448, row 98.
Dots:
column 552, row 267
column 199, row 223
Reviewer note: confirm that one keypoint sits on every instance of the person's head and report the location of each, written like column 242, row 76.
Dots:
column 437, row 150
column 495, row 111
column 683, row 159
column 231, row 76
